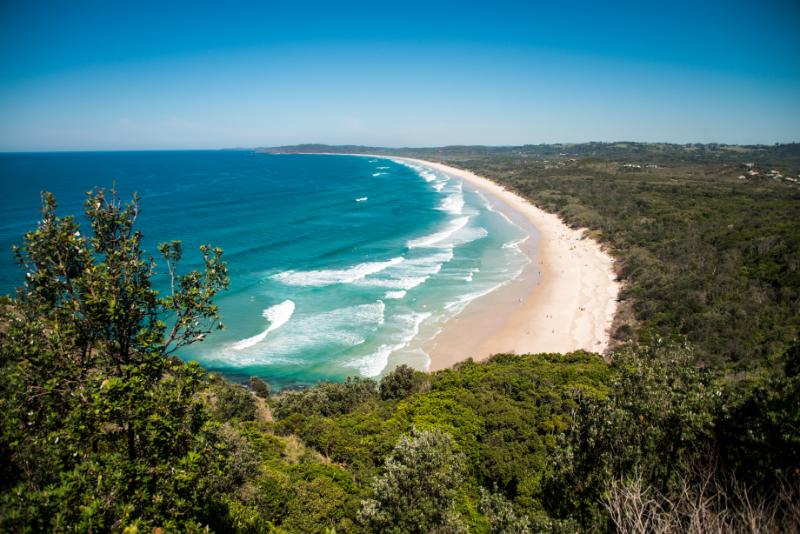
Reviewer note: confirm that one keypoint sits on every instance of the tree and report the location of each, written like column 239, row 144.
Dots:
column 658, row 418
column 100, row 426
column 757, row 429
column 502, row 517
column 259, row 387
column 327, row 398
column 402, row 382
column 416, row 491
column 95, row 295
column 233, row 401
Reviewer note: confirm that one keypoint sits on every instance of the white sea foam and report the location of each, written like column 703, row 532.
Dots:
column 454, row 235
column 411, row 273
column 376, row 362
column 453, row 197
column 373, row 364
column 453, row 203
column 362, row 314
column 342, row 326
column 468, row 235
column 458, row 305
column 506, row 217
column 437, row 181
column 335, row 276
column 516, row 244
column 277, row 316
column 336, row 329
column 488, row 205
column 472, row 272
column 405, row 283
column 231, row 358
column 408, row 164
column 379, row 173
column 384, row 338
column 430, row 264
column 432, row 239
column 428, row 176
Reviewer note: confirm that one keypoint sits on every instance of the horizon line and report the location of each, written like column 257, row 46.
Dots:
column 563, row 143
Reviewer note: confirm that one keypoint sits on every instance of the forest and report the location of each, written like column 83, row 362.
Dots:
column 704, row 256
column 691, row 421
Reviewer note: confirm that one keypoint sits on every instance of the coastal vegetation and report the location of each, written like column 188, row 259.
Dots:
column 691, row 422
column 704, row 255
column 705, row 236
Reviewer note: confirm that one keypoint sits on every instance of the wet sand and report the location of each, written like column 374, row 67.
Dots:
column 564, row 300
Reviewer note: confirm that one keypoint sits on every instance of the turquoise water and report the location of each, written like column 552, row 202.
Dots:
column 339, row 265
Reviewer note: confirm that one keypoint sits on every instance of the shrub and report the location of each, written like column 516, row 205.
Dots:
column 232, row 402
column 259, row 387
column 502, row 517
column 402, row 382
column 327, row 398
column 417, row 489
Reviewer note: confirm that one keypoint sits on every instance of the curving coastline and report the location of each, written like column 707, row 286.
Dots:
column 565, row 300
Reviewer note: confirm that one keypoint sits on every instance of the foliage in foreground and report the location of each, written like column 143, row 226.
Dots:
column 417, row 487
column 704, row 502
column 103, row 431
column 550, row 433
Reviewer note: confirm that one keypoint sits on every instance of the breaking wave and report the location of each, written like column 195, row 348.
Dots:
column 411, row 273
column 432, row 239
column 373, row 364
column 277, row 316
column 335, row 276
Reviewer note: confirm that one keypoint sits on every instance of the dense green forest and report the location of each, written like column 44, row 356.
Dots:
column 690, row 423
column 704, row 255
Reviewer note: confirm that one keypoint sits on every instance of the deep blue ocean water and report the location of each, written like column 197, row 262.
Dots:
column 339, row 265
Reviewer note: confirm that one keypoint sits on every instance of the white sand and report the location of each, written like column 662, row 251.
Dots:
column 570, row 308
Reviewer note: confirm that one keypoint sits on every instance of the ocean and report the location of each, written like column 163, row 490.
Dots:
column 339, row 265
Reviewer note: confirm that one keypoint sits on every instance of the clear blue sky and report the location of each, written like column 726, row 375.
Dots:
column 103, row 75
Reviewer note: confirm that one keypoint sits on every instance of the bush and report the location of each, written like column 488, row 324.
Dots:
column 501, row 515
column 658, row 417
column 417, row 489
column 259, row 387
column 402, row 382
column 757, row 429
column 704, row 501
column 327, row 398
column 232, row 402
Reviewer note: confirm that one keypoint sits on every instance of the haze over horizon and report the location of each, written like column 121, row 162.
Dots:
column 94, row 76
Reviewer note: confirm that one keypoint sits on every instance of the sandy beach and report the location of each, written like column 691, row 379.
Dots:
column 565, row 300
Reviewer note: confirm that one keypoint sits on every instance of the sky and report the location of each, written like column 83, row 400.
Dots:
column 145, row 75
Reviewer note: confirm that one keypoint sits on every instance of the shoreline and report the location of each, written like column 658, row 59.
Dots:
column 564, row 300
